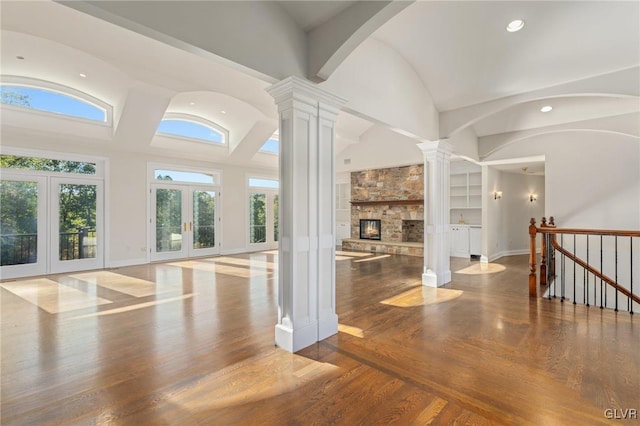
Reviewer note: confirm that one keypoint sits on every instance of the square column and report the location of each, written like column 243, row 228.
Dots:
column 306, row 277
column 437, row 157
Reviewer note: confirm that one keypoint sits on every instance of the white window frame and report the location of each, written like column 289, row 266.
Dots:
column 101, row 176
column 196, row 120
column 49, row 86
column 151, row 179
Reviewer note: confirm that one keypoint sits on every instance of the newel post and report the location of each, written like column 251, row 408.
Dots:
column 532, row 258
column 543, row 252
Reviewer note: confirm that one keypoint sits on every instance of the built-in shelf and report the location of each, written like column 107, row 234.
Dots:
column 387, row 203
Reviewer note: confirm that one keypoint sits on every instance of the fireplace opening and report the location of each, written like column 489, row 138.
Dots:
column 413, row 231
column 370, row 229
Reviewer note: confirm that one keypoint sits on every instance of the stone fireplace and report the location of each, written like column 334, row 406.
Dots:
column 394, row 196
column 413, row 231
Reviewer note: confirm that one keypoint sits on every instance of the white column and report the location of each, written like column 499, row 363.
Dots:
column 437, row 155
column 306, row 277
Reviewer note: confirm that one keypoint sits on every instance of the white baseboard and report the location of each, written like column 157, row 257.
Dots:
column 127, row 262
column 509, row 253
column 237, row 251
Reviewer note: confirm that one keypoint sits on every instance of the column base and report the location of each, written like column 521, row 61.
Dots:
column 431, row 279
column 484, row 259
column 292, row 340
column 327, row 326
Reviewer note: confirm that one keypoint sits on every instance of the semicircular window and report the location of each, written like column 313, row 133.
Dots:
column 51, row 101
column 191, row 130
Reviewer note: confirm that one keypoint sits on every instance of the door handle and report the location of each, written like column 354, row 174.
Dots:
column 184, row 227
column 190, row 226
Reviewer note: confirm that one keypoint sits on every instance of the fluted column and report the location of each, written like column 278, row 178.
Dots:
column 437, row 155
column 306, row 278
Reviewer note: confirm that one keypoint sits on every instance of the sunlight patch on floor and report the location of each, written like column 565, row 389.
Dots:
column 422, row 296
column 352, row 253
column 133, row 307
column 260, row 377
column 372, row 258
column 122, row 283
column 353, row 331
column 52, row 296
column 252, row 263
column 343, row 257
column 481, row 268
column 221, row 269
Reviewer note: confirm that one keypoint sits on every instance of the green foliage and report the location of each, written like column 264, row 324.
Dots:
column 12, row 96
column 77, row 207
column 258, row 218
column 46, row 164
column 18, row 207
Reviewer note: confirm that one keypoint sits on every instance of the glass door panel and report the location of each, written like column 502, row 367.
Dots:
column 257, row 218
column 76, row 225
column 203, row 212
column 275, row 218
column 22, row 226
column 263, row 220
column 168, row 223
column 184, row 220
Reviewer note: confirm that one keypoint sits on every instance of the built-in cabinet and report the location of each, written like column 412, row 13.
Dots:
column 343, row 212
column 465, row 192
column 466, row 240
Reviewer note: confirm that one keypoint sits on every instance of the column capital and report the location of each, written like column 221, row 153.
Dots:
column 441, row 145
column 296, row 88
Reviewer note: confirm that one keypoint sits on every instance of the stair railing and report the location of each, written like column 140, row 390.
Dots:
column 588, row 252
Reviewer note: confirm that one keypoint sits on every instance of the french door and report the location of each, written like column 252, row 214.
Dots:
column 50, row 224
column 263, row 219
column 184, row 221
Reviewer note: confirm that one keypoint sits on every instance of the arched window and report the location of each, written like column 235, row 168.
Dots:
column 192, row 127
column 52, row 98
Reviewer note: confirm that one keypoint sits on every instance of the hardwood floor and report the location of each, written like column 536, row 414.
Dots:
column 191, row 343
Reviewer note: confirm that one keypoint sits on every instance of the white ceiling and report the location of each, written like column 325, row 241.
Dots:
column 460, row 51
column 310, row 14
column 465, row 56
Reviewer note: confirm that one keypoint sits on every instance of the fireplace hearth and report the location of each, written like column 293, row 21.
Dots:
column 370, row 229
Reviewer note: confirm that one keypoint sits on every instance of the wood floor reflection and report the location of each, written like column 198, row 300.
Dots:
column 191, row 343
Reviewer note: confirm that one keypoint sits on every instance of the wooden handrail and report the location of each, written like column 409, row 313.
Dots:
column 580, row 231
column 552, row 230
column 595, row 272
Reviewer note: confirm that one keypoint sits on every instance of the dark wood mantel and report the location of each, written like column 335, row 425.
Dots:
column 387, row 202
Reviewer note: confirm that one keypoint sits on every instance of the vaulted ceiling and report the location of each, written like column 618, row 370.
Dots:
column 421, row 69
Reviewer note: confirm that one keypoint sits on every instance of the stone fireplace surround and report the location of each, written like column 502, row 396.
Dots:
column 393, row 195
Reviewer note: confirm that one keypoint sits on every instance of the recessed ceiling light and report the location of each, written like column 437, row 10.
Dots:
column 83, row 75
column 546, row 108
column 223, row 112
column 20, row 57
column 192, row 103
column 515, row 25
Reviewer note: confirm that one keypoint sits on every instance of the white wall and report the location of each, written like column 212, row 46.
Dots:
column 592, row 178
column 518, row 210
column 127, row 216
column 379, row 148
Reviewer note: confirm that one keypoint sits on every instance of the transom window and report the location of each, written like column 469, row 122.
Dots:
column 51, row 98
column 263, row 183
column 192, row 127
column 183, row 176
column 46, row 164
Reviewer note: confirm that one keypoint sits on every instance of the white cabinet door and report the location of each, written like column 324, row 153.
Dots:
column 459, row 241
column 475, row 240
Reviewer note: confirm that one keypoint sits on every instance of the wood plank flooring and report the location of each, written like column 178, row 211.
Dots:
column 191, row 343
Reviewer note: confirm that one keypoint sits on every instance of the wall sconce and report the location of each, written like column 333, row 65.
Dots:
column 497, row 195
column 533, row 197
